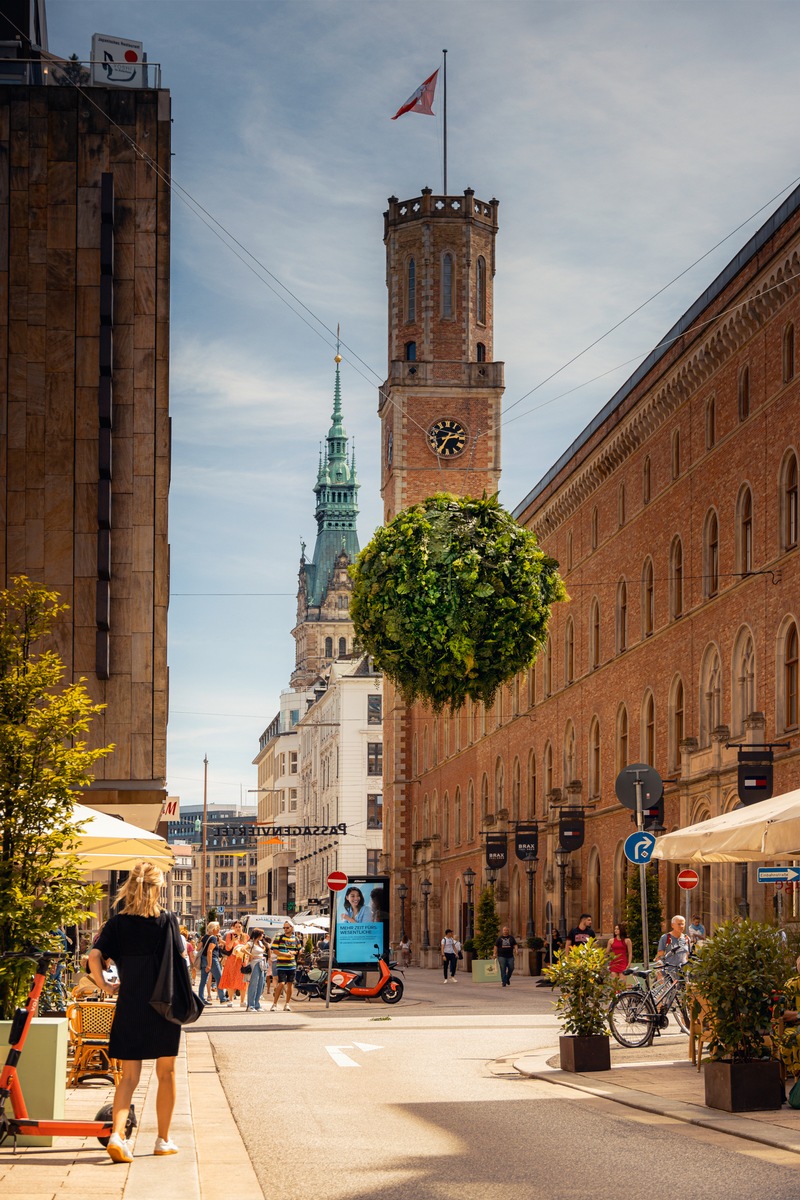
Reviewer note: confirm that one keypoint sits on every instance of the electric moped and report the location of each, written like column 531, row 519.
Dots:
column 347, row 984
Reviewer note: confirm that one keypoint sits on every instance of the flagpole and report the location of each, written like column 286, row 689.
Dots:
column 444, row 80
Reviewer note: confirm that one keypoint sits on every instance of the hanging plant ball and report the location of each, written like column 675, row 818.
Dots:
column 452, row 599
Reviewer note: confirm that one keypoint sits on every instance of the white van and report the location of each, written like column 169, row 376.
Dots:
column 270, row 923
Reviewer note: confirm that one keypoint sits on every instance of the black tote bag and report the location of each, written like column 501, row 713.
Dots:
column 173, row 997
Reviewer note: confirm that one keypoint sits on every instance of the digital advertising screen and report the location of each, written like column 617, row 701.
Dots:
column 362, row 921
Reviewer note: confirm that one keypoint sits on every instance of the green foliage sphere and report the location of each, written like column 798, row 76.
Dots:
column 452, row 599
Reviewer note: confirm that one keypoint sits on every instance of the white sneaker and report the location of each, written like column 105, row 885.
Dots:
column 287, row 1008
column 119, row 1150
column 165, row 1146
column 274, row 1008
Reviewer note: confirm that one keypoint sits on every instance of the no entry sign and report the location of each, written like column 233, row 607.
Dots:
column 688, row 879
column 337, row 880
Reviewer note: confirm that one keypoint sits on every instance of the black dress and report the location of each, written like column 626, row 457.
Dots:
column 136, row 945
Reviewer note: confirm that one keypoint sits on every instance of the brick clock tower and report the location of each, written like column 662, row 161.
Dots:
column 440, row 424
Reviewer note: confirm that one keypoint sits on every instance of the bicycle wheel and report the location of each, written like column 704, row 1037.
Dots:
column 681, row 1014
column 632, row 1019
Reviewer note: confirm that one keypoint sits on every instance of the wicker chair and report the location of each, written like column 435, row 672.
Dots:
column 89, row 1028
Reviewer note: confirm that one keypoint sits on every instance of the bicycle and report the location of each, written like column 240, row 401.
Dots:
column 638, row 1014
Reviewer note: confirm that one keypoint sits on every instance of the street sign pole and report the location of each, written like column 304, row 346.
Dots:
column 331, row 942
column 642, row 878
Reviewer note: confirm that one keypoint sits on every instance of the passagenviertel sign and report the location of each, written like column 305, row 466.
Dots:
column 281, row 830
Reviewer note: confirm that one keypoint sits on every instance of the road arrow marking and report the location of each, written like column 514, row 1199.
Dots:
column 341, row 1059
column 366, row 1046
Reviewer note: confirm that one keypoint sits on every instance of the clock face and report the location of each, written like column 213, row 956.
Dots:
column 447, row 438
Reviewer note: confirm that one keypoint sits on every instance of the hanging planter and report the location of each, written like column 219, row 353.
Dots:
column 452, row 599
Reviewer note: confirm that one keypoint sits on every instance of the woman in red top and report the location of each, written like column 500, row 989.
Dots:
column 621, row 950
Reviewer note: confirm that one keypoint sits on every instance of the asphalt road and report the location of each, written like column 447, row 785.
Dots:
column 420, row 1101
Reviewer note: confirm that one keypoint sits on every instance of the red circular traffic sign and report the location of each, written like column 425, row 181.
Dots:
column 688, row 879
column 337, row 880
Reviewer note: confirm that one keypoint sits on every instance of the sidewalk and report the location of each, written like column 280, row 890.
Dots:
column 661, row 1080
column 210, row 1145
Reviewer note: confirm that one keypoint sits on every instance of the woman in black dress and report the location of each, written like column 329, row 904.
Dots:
column 134, row 938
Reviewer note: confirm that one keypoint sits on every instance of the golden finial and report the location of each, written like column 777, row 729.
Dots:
column 338, row 357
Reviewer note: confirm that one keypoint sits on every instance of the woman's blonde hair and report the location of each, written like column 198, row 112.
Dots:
column 138, row 895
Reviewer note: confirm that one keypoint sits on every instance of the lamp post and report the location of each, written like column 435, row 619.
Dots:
column 426, row 887
column 204, row 885
column 491, row 876
column 530, row 870
column 562, row 862
column 469, row 883
column 402, row 893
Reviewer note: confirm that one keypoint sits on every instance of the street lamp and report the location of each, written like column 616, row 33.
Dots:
column 531, row 873
column 402, row 892
column 204, row 885
column 491, row 876
column 562, row 862
column 469, row 883
column 426, row 887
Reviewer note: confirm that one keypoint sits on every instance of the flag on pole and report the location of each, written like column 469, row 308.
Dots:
column 421, row 100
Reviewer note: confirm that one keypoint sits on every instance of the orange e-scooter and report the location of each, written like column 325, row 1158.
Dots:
column 18, row 1121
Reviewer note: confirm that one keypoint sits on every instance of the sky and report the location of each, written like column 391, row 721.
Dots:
column 624, row 141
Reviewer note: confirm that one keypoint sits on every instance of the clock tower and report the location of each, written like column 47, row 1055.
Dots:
column 440, row 405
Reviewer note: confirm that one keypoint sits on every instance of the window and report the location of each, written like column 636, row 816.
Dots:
column 548, row 769
column 570, row 764
column 744, row 680
column 457, row 817
column 676, row 453
column 622, row 616
column 744, row 393
column 648, row 599
column 649, row 730
column 547, row 677
column 594, row 758
column 374, row 710
column 531, row 785
column 710, row 695
column 480, row 352
column 711, row 423
column 446, row 820
column 374, row 758
column 484, row 799
column 788, row 354
column 292, row 762
column 594, row 528
column 676, row 725
column 790, row 678
column 676, row 579
column 789, row 501
column 646, row 480
column 594, row 635
column 480, row 291
column 329, row 647
column 516, row 788
column 373, row 862
column 744, row 540
column 411, row 351
column 342, row 647
column 569, row 652
column 621, row 505
column 622, row 737
column 447, row 286
column 711, row 555
column 375, row 810
column 425, row 740
column 411, row 290
column 470, row 812
column 531, row 685
column 569, row 551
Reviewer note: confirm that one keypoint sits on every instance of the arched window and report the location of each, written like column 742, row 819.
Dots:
column 622, row 616
column 621, row 505
column 594, row 528
column 594, row 635
column 570, row 765
column 622, row 738
column 744, row 393
column 426, row 817
column 788, row 354
column 569, row 652
column 480, row 290
column 435, row 742
column 789, row 501
column 648, row 599
column 480, row 352
column 710, row 695
column 457, row 817
column 531, row 685
column 471, row 812
column 594, row 894
column 791, row 715
column 594, row 758
column 743, row 692
column 744, row 532
column 548, row 769
column 329, row 647
column 531, row 784
column 516, row 788
column 676, row 453
column 411, row 351
column 499, row 787
column 676, row 723
column 411, row 290
column 547, row 668
column 569, row 550
column 425, row 758
column 446, row 820
column 447, row 286
column 649, row 730
column 342, row 647
column 646, row 480
column 415, row 755
column 484, row 799
column 711, row 555
column 676, row 578
column 711, row 423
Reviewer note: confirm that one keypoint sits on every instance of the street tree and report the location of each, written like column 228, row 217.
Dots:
column 487, row 924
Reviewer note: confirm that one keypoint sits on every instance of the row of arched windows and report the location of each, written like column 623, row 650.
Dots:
column 329, row 647
column 446, row 288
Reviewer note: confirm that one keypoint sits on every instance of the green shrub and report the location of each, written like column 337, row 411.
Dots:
column 587, row 988
column 487, row 924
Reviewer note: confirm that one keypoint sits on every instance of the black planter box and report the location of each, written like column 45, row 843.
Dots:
column 743, row 1086
column 591, row 1053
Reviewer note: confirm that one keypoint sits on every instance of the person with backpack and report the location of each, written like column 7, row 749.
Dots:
column 210, row 963
column 674, row 947
column 451, row 948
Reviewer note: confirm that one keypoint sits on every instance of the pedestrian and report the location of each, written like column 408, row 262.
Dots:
column 621, row 949
column 405, row 952
column 286, row 947
column 451, row 948
column 209, row 962
column 135, row 939
column 232, row 979
column 505, row 950
column 255, row 953
column 674, row 946
column 581, row 932
column 696, row 930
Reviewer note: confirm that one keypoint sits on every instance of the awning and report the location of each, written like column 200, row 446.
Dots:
column 106, row 843
column 762, row 832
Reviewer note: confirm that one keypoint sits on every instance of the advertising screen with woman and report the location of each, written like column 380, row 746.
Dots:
column 362, row 921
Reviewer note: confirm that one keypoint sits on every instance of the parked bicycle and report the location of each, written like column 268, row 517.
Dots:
column 638, row 1014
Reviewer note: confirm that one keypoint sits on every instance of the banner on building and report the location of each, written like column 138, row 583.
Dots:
column 755, row 775
column 526, row 841
column 496, row 850
column 571, row 827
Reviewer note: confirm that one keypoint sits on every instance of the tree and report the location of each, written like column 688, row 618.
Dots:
column 72, row 73
column 44, row 760
column 487, row 924
column 633, row 911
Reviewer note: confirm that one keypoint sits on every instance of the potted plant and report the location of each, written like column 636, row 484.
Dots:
column 468, row 948
column 738, row 973
column 587, row 988
column 487, row 927
column 536, row 947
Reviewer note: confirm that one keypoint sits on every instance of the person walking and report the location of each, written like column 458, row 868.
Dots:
column 581, row 933
column 135, row 939
column 405, row 952
column 450, row 949
column 621, row 949
column 286, row 948
column 232, row 979
column 255, row 954
column 210, row 964
column 505, row 950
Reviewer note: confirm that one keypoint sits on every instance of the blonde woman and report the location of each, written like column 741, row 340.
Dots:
column 135, row 938
column 232, row 978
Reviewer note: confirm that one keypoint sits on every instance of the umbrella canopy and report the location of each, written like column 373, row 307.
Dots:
column 760, row 832
column 106, row 843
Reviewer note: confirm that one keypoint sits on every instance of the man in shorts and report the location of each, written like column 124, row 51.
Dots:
column 285, row 947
